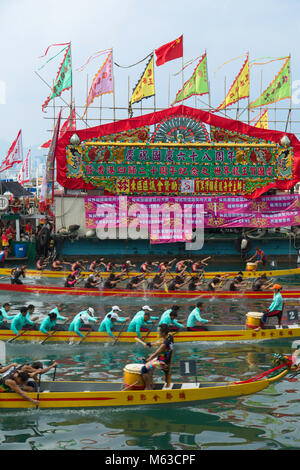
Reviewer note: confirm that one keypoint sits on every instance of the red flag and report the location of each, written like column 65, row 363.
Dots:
column 170, row 51
column 24, row 174
column 46, row 196
column 64, row 128
column 15, row 153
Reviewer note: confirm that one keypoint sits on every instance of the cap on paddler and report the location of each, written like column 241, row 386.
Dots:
column 146, row 307
column 115, row 307
column 276, row 286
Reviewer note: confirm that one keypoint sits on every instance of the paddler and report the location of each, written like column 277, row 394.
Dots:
column 16, row 273
column 20, row 320
column 41, row 263
column 93, row 281
column 182, row 265
column 164, row 267
column 96, row 263
column 195, row 282
column 194, row 317
column 135, row 282
column 4, row 317
column 78, row 265
column 144, row 309
column 213, row 284
column 178, row 282
column 82, row 319
column 139, row 322
column 15, row 381
column 169, row 318
column 160, row 358
column 198, row 266
column 113, row 280
column 48, row 324
column 156, row 282
column 73, row 279
column 260, row 258
column 110, row 319
column 275, row 309
column 127, row 266
column 57, row 311
column 261, row 283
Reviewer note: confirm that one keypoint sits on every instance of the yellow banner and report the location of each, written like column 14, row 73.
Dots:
column 145, row 87
column 262, row 122
column 240, row 87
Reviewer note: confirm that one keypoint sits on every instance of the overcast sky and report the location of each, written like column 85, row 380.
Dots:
column 225, row 29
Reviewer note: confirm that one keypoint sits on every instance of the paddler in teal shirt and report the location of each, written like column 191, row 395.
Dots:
column 4, row 314
column 194, row 317
column 169, row 318
column 138, row 322
column 142, row 312
column 110, row 319
column 81, row 319
column 57, row 311
column 21, row 320
column 48, row 323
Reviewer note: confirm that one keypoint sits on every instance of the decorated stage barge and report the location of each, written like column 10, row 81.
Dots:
column 183, row 157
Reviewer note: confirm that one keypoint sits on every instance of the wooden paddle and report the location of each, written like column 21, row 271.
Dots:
column 121, row 331
column 82, row 339
column 38, row 393
column 17, row 336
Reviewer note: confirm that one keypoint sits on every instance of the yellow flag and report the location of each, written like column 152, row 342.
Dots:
column 240, row 87
column 262, row 122
column 145, row 87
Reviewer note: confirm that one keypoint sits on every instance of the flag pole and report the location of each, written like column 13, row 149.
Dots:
column 154, row 96
column 249, row 91
column 71, row 90
column 225, row 95
column 290, row 94
column 87, row 95
column 113, row 75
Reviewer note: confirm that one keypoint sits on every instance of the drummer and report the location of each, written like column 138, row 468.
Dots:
column 260, row 258
column 275, row 309
column 160, row 358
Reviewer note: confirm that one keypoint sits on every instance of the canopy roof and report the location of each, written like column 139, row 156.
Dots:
column 210, row 119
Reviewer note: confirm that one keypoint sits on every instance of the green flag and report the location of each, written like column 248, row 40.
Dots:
column 63, row 80
column 197, row 84
column 279, row 89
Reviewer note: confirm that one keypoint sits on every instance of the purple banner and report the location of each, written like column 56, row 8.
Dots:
column 170, row 219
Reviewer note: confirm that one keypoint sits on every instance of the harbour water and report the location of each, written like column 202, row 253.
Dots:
column 268, row 420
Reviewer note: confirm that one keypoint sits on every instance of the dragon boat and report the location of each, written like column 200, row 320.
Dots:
column 207, row 274
column 215, row 333
column 85, row 394
column 185, row 294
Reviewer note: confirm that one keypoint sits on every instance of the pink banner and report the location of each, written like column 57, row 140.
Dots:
column 170, row 219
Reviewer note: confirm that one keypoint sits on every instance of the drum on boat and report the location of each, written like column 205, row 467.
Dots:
column 133, row 377
column 253, row 319
column 251, row 267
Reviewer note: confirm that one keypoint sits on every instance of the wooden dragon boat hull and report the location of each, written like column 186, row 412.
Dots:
column 61, row 394
column 214, row 333
column 57, row 290
column 207, row 275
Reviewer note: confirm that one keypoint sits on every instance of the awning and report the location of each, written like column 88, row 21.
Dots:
column 15, row 188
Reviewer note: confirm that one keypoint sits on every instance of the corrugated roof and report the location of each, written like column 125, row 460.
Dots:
column 15, row 188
